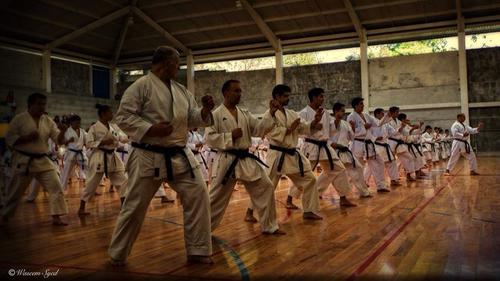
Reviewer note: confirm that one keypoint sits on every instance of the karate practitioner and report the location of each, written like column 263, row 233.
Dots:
column 28, row 136
column 317, row 149
column 103, row 138
column 363, row 147
column 383, row 149
column 74, row 156
column 342, row 135
column 412, row 135
column 460, row 133
column 283, row 157
column 195, row 143
column 398, row 146
column 428, row 145
column 231, row 135
column 148, row 112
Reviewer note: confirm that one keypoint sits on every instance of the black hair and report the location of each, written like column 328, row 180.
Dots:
column 102, row 108
column 460, row 114
column 428, row 127
column 337, row 106
column 164, row 53
column 378, row 110
column 393, row 109
column 280, row 90
column 74, row 118
column 355, row 101
column 33, row 98
column 314, row 92
column 227, row 85
column 402, row 116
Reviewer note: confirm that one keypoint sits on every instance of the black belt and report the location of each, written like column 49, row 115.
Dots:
column 106, row 152
column 168, row 153
column 79, row 152
column 240, row 154
column 213, row 150
column 289, row 151
column 196, row 152
column 399, row 142
column 321, row 144
column 31, row 157
column 387, row 149
column 418, row 146
column 345, row 149
column 367, row 144
column 467, row 145
column 433, row 147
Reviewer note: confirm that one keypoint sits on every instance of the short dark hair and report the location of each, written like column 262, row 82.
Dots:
column 337, row 106
column 428, row 127
column 227, row 85
column 280, row 90
column 163, row 53
column 314, row 92
column 102, row 108
column 33, row 98
column 401, row 116
column 393, row 109
column 355, row 101
column 74, row 118
column 460, row 114
column 378, row 111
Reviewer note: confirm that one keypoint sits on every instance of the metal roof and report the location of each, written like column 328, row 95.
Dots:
column 120, row 32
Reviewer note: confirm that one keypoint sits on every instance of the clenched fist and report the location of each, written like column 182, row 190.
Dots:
column 237, row 133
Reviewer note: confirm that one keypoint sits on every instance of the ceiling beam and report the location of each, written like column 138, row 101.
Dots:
column 355, row 20
column 160, row 29
column 200, row 14
column 72, row 35
column 264, row 28
column 123, row 33
column 460, row 17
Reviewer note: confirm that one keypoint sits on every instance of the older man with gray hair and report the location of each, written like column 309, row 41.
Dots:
column 156, row 112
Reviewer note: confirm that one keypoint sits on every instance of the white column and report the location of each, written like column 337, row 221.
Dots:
column 112, row 82
column 365, row 78
column 462, row 71
column 91, row 79
column 190, row 72
column 46, row 72
column 278, row 55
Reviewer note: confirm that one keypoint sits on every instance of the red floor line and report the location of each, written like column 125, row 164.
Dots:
column 392, row 236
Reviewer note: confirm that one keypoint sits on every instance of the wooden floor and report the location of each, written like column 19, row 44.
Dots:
column 446, row 228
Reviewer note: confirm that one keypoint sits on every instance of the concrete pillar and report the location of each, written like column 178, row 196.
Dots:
column 46, row 72
column 190, row 72
column 278, row 55
column 112, row 82
column 462, row 71
column 91, row 79
column 365, row 78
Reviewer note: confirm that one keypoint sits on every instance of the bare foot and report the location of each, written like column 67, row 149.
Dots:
column 383, row 190
column 395, row 183
column 276, row 232
column 474, row 173
column 366, row 196
column 97, row 194
column 199, row 259
column 344, row 202
column 311, row 216
column 410, row 178
column 250, row 218
column 58, row 222
column 117, row 263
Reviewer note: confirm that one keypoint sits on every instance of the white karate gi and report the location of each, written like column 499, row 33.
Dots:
column 74, row 155
column 146, row 102
column 247, row 170
column 460, row 144
column 359, row 148
column 304, row 180
column 343, row 135
column 43, row 169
